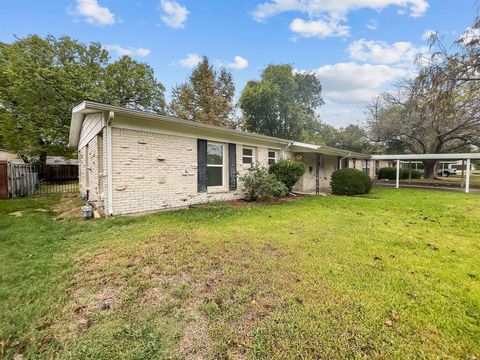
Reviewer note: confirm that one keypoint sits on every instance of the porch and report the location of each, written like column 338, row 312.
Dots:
column 320, row 162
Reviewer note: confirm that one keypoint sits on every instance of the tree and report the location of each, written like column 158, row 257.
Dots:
column 42, row 78
column 351, row 137
column 438, row 111
column 132, row 84
column 207, row 96
column 283, row 103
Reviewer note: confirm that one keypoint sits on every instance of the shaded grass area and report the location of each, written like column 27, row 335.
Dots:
column 394, row 274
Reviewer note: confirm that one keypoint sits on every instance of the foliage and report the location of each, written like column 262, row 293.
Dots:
column 260, row 185
column 41, row 79
column 290, row 265
column 350, row 182
column 282, row 103
column 207, row 97
column 132, row 84
column 287, row 171
column 390, row 173
column 437, row 111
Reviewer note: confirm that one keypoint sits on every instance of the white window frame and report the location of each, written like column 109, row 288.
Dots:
column 275, row 158
column 249, row 156
column 223, row 166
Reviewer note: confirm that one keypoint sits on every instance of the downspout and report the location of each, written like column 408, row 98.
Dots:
column 285, row 148
column 109, row 163
column 340, row 160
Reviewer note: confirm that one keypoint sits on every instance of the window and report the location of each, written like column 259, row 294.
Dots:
column 272, row 156
column 215, row 164
column 247, row 155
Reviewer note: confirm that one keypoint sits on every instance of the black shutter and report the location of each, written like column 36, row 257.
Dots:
column 202, row 176
column 345, row 163
column 232, row 166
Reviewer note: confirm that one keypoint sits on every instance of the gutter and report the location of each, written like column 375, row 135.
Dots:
column 111, row 115
column 342, row 158
column 286, row 147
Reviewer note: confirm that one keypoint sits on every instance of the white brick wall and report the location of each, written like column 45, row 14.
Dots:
column 89, row 162
column 153, row 171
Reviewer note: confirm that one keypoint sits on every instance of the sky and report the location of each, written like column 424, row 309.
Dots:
column 355, row 47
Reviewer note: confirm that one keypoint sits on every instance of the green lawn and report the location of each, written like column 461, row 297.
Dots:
column 395, row 274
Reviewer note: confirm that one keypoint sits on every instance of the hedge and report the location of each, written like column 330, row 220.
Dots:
column 390, row 173
column 350, row 182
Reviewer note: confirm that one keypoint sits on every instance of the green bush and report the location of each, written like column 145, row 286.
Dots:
column 260, row 185
column 387, row 173
column 350, row 182
column 390, row 173
column 288, row 172
column 415, row 174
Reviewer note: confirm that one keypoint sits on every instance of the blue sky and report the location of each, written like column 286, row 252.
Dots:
column 356, row 47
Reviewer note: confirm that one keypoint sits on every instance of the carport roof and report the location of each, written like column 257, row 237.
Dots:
column 458, row 156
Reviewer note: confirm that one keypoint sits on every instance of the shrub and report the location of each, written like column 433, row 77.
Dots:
column 350, row 182
column 387, row 173
column 415, row 174
column 390, row 173
column 260, row 185
column 288, row 172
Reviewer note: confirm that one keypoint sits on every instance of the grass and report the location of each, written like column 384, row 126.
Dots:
column 393, row 274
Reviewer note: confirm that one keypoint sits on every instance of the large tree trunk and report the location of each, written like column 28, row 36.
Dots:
column 430, row 169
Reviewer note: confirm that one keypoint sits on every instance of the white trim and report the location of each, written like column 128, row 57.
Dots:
column 249, row 156
column 223, row 166
column 458, row 156
column 111, row 115
column 467, row 178
column 275, row 159
column 397, row 180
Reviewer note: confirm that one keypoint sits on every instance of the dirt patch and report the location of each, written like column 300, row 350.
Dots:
column 16, row 214
column 241, row 202
column 69, row 207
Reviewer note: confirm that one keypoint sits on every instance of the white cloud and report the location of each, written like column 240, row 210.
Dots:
column 352, row 83
column 190, row 61
column 130, row 51
column 334, row 7
column 339, row 115
column 470, row 35
column 174, row 14
column 380, row 52
column 94, row 13
column 239, row 63
column 372, row 24
column 427, row 34
column 319, row 28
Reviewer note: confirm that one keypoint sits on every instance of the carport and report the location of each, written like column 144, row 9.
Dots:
column 467, row 157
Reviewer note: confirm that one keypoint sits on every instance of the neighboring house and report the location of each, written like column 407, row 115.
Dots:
column 9, row 156
column 134, row 161
column 60, row 161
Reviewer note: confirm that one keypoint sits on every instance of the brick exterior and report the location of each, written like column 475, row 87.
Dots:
column 154, row 171
column 92, row 173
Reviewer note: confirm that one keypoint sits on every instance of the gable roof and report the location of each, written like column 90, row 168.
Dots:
column 88, row 107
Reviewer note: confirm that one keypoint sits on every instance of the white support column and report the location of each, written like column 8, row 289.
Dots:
column 397, row 183
column 467, row 178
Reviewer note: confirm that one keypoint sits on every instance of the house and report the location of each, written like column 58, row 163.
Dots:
column 6, row 155
column 134, row 161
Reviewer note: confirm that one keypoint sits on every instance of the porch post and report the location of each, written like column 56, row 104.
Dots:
column 397, row 183
column 467, row 179
column 317, row 173
column 410, row 171
column 463, row 174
